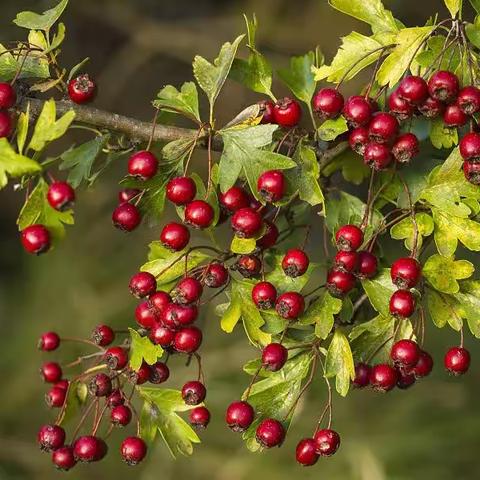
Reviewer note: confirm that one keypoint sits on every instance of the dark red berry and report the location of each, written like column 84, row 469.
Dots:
column 270, row 433
column 470, row 147
column 63, row 458
column 274, row 357
column 383, row 377
column 128, row 194
column 63, row 384
column 328, row 102
column 142, row 284
column 143, row 165
column 159, row 301
column 115, row 398
column 215, row 275
column 349, row 237
column 358, row 111
column 133, row 450
column 264, row 295
column 290, row 305
column 340, row 283
column 188, row 340
column 89, row 449
column 327, row 442
column 162, row 335
column 431, row 108
column 6, row 124
column 199, row 214
column 453, row 117
column 49, row 341
column 51, row 437
column 175, row 315
column 181, row 190
column 402, row 304
column 146, row 315
column 248, row 266
column 82, row 89
column 126, row 217
column 103, row 335
column 188, row 290
column 270, row 237
column 175, row 236
column 406, row 273
column 424, row 365
column 159, row 373
column 295, row 262
column 405, row 353
column 35, row 239
column 443, row 86
column 405, row 147
column 51, row 372
column 346, row 261
column 271, row 185
column 120, row 415
column 414, row 89
column 266, row 110
column 471, row 170
column 367, row 265
column 457, row 360
column 100, row 385
column 306, row 453
column 194, row 392
column 246, row 222
column 8, row 96
column 239, row 416
column 399, row 106
column 55, row 397
column 405, row 379
column 61, row 196
column 358, row 140
column 383, row 128
column 116, row 358
column 199, row 417
column 234, row 199
column 287, row 112
column 140, row 376
column 377, row 156
column 362, row 375
column 469, row 100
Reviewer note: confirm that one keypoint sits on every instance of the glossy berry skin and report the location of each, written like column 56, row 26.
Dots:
column 340, row 283
column 405, row 379
column 159, row 301
column 51, row 437
column 35, row 239
column 188, row 340
column 406, row 147
column 194, row 392
column 175, row 315
column 264, row 295
column 63, row 384
column 457, row 360
column 270, row 237
column 145, row 315
column 115, row 398
column 128, row 194
column 175, row 236
column 349, row 237
column 143, row 165
column 358, row 111
column 234, row 199
column 358, row 140
column 414, row 89
column 120, row 415
column 239, row 416
column 470, row 147
column 199, row 417
column 383, row 128
column 215, row 275
column 89, row 449
column 188, row 290
column 82, row 89
column 271, row 185
column 248, row 266
column 162, row 335
column 103, row 335
column 346, row 261
column 405, row 353
column 133, row 450
column 383, row 377
column 8, row 96
column 274, row 357
column 471, row 170
column 290, row 305
column 142, row 284
column 100, row 385
column 61, row 196
column 453, row 117
column 468, row 100
column 327, row 442
column 51, row 372
column 377, row 156
column 367, row 265
column 270, row 433
column 424, row 365
column 246, row 222
column 399, row 107
column 199, row 214
column 406, row 273
column 181, row 190
column 55, row 397
column 362, row 375
column 49, row 341
column 116, row 358
column 159, row 373
column 266, row 110
column 295, row 262
column 443, row 86
column 141, row 376
column 6, row 124
column 306, row 453
column 126, row 217
column 402, row 304
column 63, row 458
column 287, row 112
column 431, row 108
column 328, row 102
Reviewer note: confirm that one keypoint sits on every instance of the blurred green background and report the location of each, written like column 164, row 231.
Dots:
column 137, row 46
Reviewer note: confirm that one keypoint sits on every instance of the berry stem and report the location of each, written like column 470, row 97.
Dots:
column 154, row 125
column 93, row 403
column 79, row 360
column 252, row 381
column 81, row 340
column 414, row 253
column 98, row 417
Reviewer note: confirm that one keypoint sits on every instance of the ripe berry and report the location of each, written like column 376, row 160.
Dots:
column 443, row 86
column 431, row 108
column 159, row 301
column 383, row 377
column 362, row 375
column 100, row 385
column 270, row 237
column 6, row 124
column 63, row 384
column 246, row 222
column 120, row 415
column 287, row 112
column 181, row 190
column 239, row 416
column 188, row 340
column 126, row 217
column 61, row 196
column 326, row 442
column 358, row 111
column 116, row 358
column 405, row 379
column 405, row 353
column 305, row 452
column 159, row 373
column 295, row 262
column 145, row 315
column 51, row 437
column 290, row 305
column 405, row 147
column 402, row 304
column 51, row 372
column 383, row 128
column 399, row 106
column 470, row 147
column 234, row 199
column 270, row 433
column 128, row 194
column 188, row 290
column 349, row 237
column 406, row 272
column 35, row 239
column 175, row 236
column 175, row 315
column 142, row 284
column 328, row 102
column 199, row 417
column 89, row 449
column 271, row 185
column 103, row 335
column 340, row 283
column 115, row 398
column 457, row 360
column 248, row 266
column 471, row 170
column 199, row 214
column 274, row 357
column 55, row 397
column 63, row 458
column 194, row 392
column 377, row 156
column 266, row 110
column 424, row 365
column 8, row 96
column 367, row 265
column 414, row 89
column 142, row 164
column 264, row 295
column 49, row 341
column 453, row 117
column 215, row 275
column 82, row 89
column 133, row 450
column 161, row 335
column 358, row 140
column 140, row 376
column 346, row 261
column 469, row 100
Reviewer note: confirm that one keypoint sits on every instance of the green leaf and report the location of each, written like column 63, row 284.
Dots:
column 352, row 166
column 184, row 101
column 22, row 129
column 339, row 362
column 406, row 230
column 442, row 136
column 444, row 309
column 13, row 164
column 44, row 21
column 331, row 129
column 283, row 282
column 58, row 38
column 299, row 77
column 142, row 350
column 77, row 68
column 242, row 245
column 379, row 290
column 322, row 313
column 476, row 5
column 31, row 65
column 454, row 6
column 469, row 298
column 443, row 272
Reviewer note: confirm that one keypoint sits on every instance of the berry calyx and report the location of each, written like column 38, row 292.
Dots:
column 274, row 357
column 424, row 365
column 349, row 237
column 367, row 265
column 143, row 165
column 188, row 340
column 405, row 353
column 271, row 185
column 175, row 236
column 181, row 190
column 287, row 112
column 199, row 417
column 270, row 433
column 158, row 373
column 468, row 100
column 8, row 96
column 194, row 392
column 116, row 358
column 327, row 442
column 89, row 449
column 295, row 262
column 401, row 108
column 443, row 86
column 51, row 437
column 470, row 147
column 6, row 124
column 454, row 117
column 405, row 147
column 406, row 272
column 215, row 275
column 126, row 217
column 49, row 341
column 246, row 222
column 457, row 360
column 340, row 283
column 234, row 199
column 100, row 385
column 63, row 458
column 199, row 214
column 414, row 89
column 402, row 304
column 264, row 295
column 358, row 111
column 140, row 376
column 133, row 450
column 383, row 128
column 61, row 196
column 362, row 375
column 431, row 108
column 290, row 305
column 306, row 453
column 188, row 290
column 471, row 170
column 142, row 284
column 51, row 372
column 346, row 261
column 377, row 156
column 103, row 335
column 358, row 140
column 383, row 377
column 82, row 89
column 35, row 239
column 248, row 266
column 239, row 416
column 328, row 102
column 120, row 416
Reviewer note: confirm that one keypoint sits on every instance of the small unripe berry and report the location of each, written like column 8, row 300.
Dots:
column 402, row 304
column 89, row 449
column 142, row 284
column 246, row 222
column 215, row 275
column 159, row 373
column 188, row 340
column 270, row 433
column 367, row 265
column 264, row 295
column 306, row 453
column 349, row 237
column 126, row 217
column 358, row 140
column 133, row 450
column 469, row 100
column 49, row 341
column 358, row 111
column 271, row 185
column 328, row 102
column 142, row 164
column 362, row 375
column 327, row 442
column 194, row 392
column 8, row 96
column 457, row 360
column 175, row 236
column 405, row 353
column 63, row 458
column 383, row 128
column 414, row 89
column 443, row 86
column 199, row 417
column 116, row 358
column 61, row 196
column 377, row 156
column 383, row 377
column 82, row 89
column 51, row 372
column 35, row 239
column 188, row 290
column 405, row 147
column 287, row 112
column 181, row 190
column 290, row 305
column 51, row 437
column 406, row 273
column 274, row 357
column 120, row 415
column 340, row 283
column 103, row 335
column 239, row 416
column 346, row 261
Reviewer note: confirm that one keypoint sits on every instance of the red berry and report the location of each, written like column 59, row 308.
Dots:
column 377, row 156
column 383, row 377
column 264, row 295
column 6, row 124
column 246, row 222
column 161, row 335
column 405, row 147
column 399, row 106
column 49, row 341
column 367, row 265
column 362, row 375
column 63, row 384
column 306, row 453
column 140, row 376
column 358, row 111
column 128, row 194
column 290, row 305
column 115, row 398
column 234, row 199
column 453, row 117
column 181, row 190
column 55, row 397
column 142, row 284
column 199, row 417
column 414, row 89
column 35, row 239
column 188, row 290
column 270, row 237
column 199, row 214
column 402, row 304
column 346, row 261
column 146, row 315
column 51, row 372
column 120, row 415
column 340, row 283
column 194, row 392
column 61, row 196
column 126, row 217
column 287, row 112
column 470, row 147
column 103, row 335
column 471, row 170
column 328, row 102
column 295, row 262
column 405, row 353
column 349, row 237
column 100, row 385
column 358, row 140
column 63, row 458
column 405, row 379
column 82, row 89
column 266, row 110
column 159, row 373
column 271, row 185
column 326, row 442
column 431, row 108
column 133, row 450
column 424, row 365
column 142, row 164
column 443, row 86
column 457, row 360
column 270, row 433
column 406, row 273
column 248, row 266
column 175, row 236
column 51, row 437
column 215, row 275
column 188, row 340
column 239, row 416
column 8, row 96
column 274, row 357
column 175, row 315
column 159, row 301
column 116, row 358
column 383, row 128
column 469, row 100
column 89, row 449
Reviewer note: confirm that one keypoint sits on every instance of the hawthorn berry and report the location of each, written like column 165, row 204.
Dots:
column 349, row 237
column 468, row 100
column 471, row 170
column 61, row 196
column 128, row 194
column 405, row 353
column 290, row 305
column 266, row 110
column 162, row 335
column 405, row 379
column 270, row 433
column 35, row 239
column 181, row 190
column 6, row 124
column 51, row 437
column 188, row 290
column 159, row 373
column 199, row 417
column 295, row 262
column 328, row 102
column 431, row 108
column 89, row 449
column 199, row 214
column 188, row 340
column 175, row 236
column 414, row 89
column 103, row 335
column 143, row 165
column 215, row 275
column 383, row 128
column 142, row 284
column 146, row 315
column 399, row 107
column 63, row 458
column 8, row 96
column 271, row 185
column 340, row 283
column 176, row 315
column 140, row 376
column 115, row 398
column 63, row 384
column 126, row 217
column 248, row 266
column 159, row 301
column 274, row 356
column 51, row 372
column 377, row 156
column 82, row 89
column 264, row 295
column 306, row 453
column 367, row 265
column 234, row 199
column 443, row 86
column 269, row 239
column 239, row 416
column 246, row 222
column 406, row 272
column 133, row 450
column 362, row 375
column 405, row 147
column 100, row 385
column 402, row 304
column 454, row 117
column 470, row 147
column 55, row 397
column 457, row 360
column 194, row 392
column 424, row 365
column 287, row 112
column 383, row 377
column 121, row 415
column 116, row 358
column 357, row 111
column 49, row 341
column 327, row 442
column 358, row 139
column 346, row 261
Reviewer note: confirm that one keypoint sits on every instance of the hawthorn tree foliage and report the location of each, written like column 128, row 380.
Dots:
column 269, row 181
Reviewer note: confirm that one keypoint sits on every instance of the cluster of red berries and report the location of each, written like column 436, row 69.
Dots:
column 8, row 99
column 82, row 89
column 285, row 112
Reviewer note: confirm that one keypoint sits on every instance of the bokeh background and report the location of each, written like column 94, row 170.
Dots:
column 137, row 46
